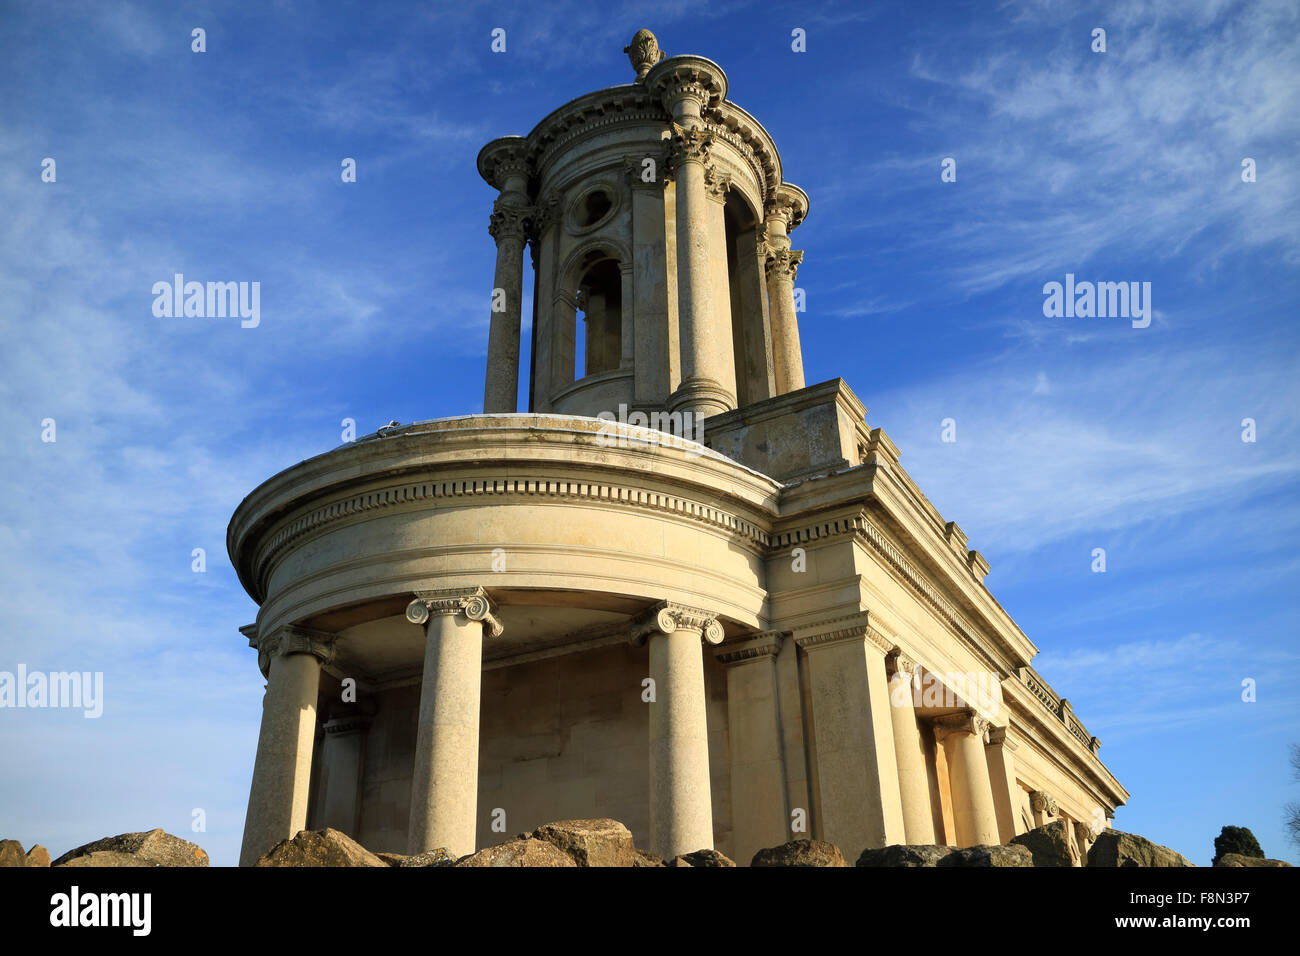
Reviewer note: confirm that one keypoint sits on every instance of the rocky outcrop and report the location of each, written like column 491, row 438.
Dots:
column 992, row 855
column 328, row 847
column 525, row 851
column 38, row 856
column 11, row 853
column 149, row 848
column 1049, row 844
column 700, row 858
column 643, row 858
column 800, row 853
column 1116, row 848
column 899, row 854
column 1237, row 859
column 600, row 842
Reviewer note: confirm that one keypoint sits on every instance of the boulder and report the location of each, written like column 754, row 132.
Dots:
column 1116, row 848
column 38, row 856
column 438, row 857
column 152, row 847
column 393, row 859
column 599, row 842
column 11, row 853
column 1049, row 845
column 1237, row 859
column 700, row 858
column 517, row 852
column 643, row 858
column 800, row 853
column 109, row 858
column 989, row 855
column 328, row 847
column 899, row 854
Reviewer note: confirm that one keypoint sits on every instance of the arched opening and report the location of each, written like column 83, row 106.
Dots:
column 750, row 334
column 598, row 340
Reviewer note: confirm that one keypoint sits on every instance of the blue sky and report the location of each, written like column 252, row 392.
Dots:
column 1072, row 434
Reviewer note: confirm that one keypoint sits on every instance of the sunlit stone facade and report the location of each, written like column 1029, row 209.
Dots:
column 758, row 631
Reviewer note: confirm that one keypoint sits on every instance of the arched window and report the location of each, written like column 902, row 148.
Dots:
column 598, row 347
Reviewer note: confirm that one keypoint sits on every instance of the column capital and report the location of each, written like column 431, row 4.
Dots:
column 474, row 603
column 788, row 204
column 966, row 723
column 783, row 263
column 503, row 160
column 546, row 213
column 292, row 639
column 1043, row 802
column 999, row 737
column 761, row 645
column 687, row 84
column 509, row 221
column 716, row 184
column 864, row 627
column 668, row 617
column 897, row 663
column 690, row 145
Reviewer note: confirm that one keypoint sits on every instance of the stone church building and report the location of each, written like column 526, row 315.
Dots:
column 683, row 589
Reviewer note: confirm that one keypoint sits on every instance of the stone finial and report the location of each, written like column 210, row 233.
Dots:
column 644, row 53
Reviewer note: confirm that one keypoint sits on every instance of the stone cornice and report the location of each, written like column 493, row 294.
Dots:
column 861, row 627
column 765, row 644
column 473, row 603
column 669, row 617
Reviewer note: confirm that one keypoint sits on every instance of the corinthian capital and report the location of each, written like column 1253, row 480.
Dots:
column 783, row 263
column 474, row 603
column 716, row 184
column 963, row 723
column 690, row 145
column 509, row 221
column 667, row 618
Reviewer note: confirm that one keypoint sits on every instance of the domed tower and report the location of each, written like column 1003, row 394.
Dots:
column 753, row 630
column 659, row 225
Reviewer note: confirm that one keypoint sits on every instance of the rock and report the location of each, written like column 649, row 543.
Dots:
column 109, row 858
column 600, row 842
column 899, row 854
column 800, row 853
column 328, row 847
column 989, row 855
column 700, row 858
column 1116, row 848
column 153, row 847
column 1049, row 844
column 11, row 853
column 439, row 857
column 1237, row 859
column 517, row 852
column 393, row 859
column 643, row 858
column 38, row 856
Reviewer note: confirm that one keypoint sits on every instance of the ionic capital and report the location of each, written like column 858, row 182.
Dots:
column 898, row 664
column 292, row 639
column 668, row 618
column 1043, row 802
column 998, row 737
column 474, row 603
column 967, row 723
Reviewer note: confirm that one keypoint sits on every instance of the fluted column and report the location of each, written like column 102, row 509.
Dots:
column 681, row 809
column 686, row 85
column 291, row 659
column 913, row 781
column 504, row 164
column 962, row 736
column 444, row 782
column 785, row 210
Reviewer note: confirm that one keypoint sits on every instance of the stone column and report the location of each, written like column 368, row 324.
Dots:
column 913, row 781
column 646, row 305
column 627, row 318
column 681, row 808
column 855, row 767
column 504, row 164
column 760, row 814
column 962, row 736
column 686, row 85
column 291, row 659
column 1006, row 792
column 342, row 755
column 784, row 211
column 444, row 782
